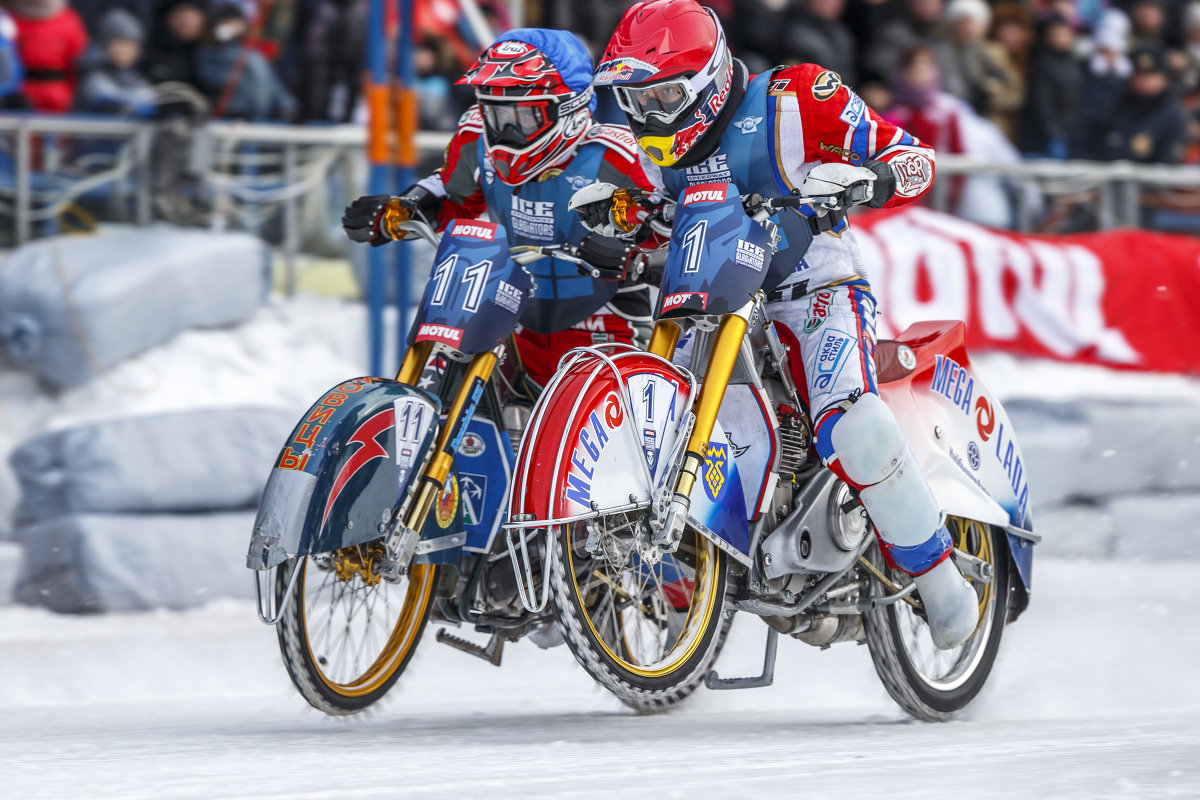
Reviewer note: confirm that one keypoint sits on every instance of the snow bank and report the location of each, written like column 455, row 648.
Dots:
column 132, row 562
column 215, row 459
column 72, row 307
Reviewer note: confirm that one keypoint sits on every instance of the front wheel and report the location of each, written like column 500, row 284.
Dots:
column 647, row 629
column 347, row 634
column 929, row 683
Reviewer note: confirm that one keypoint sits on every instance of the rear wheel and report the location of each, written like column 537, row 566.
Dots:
column 929, row 683
column 347, row 634
column 646, row 628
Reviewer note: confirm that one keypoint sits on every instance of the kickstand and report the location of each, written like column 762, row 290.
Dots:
column 714, row 681
column 491, row 654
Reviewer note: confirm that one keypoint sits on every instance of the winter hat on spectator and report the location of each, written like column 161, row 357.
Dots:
column 118, row 23
column 1149, row 58
column 36, row 9
column 1112, row 33
column 977, row 10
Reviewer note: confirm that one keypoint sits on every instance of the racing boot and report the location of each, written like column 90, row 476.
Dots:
column 951, row 606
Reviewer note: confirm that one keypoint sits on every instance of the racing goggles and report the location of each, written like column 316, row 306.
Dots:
column 665, row 101
column 518, row 122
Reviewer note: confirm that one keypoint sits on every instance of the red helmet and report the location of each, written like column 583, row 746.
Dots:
column 672, row 74
column 534, row 106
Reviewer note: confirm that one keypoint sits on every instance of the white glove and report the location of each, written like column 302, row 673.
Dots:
column 852, row 185
column 594, row 204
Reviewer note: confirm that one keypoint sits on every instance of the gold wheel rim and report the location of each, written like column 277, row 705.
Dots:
column 973, row 539
column 395, row 649
column 700, row 611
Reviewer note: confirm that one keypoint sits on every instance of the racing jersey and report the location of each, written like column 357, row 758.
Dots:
column 789, row 120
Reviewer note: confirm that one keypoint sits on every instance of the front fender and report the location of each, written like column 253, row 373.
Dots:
column 602, row 436
column 347, row 463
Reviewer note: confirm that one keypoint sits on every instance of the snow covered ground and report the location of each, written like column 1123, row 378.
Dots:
column 1094, row 696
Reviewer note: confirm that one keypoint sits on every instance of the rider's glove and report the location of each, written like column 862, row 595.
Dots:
column 849, row 184
column 609, row 255
column 375, row 218
column 611, row 211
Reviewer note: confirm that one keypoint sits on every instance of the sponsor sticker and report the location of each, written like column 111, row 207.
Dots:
column 839, row 151
column 476, row 230
column 748, row 125
column 832, row 356
column 679, row 298
column 818, row 310
column 748, row 254
column 508, row 297
column 439, row 333
column 716, row 468
column 914, row 173
column 624, row 70
column 511, row 48
column 447, row 503
column 713, row 169
column 472, row 445
column 853, row 111
column 780, row 85
column 826, row 85
column 532, row 218
column 474, row 489
column 706, row 193
column 973, row 455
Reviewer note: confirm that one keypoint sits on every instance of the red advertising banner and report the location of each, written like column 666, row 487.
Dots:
column 1126, row 298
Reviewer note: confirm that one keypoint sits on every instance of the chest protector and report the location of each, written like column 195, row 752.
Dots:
column 536, row 213
column 745, row 157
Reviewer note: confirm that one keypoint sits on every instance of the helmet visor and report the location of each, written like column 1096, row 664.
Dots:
column 665, row 101
column 516, row 124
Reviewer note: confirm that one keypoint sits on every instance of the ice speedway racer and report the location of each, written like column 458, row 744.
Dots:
column 667, row 497
column 385, row 504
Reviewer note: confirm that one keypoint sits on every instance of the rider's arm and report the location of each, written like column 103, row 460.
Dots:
column 456, row 184
column 820, row 119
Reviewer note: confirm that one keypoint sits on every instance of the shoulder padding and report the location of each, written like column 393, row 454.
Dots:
column 471, row 120
column 617, row 138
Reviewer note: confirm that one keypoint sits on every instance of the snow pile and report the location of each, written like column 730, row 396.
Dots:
column 190, row 428
column 74, row 306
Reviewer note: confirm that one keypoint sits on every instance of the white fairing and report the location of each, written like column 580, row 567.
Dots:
column 964, row 444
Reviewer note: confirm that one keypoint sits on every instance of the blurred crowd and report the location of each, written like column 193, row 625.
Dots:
column 1094, row 79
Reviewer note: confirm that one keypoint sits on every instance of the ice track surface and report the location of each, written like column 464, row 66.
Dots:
column 1095, row 695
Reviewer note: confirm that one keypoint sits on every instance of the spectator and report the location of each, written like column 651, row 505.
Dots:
column 332, row 51
column 1103, row 85
column 11, row 74
column 992, row 84
column 1189, row 57
column 115, row 86
column 1051, row 102
column 50, row 39
column 178, row 29
column 435, row 104
column 949, row 125
column 759, row 35
column 1148, row 18
column 819, row 36
column 1012, row 32
column 237, row 79
column 920, row 25
column 1149, row 124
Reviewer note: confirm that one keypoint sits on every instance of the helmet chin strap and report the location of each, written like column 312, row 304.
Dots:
column 707, row 144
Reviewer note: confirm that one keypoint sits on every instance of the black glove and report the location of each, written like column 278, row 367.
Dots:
column 595, row 216
column 361, row 220
column 885, row 183
column 609, row 255
column 372, row 218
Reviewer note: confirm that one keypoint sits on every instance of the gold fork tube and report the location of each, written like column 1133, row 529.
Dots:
column 663, row 338
column 414, row 363
column 726, row 346
column 438, row 470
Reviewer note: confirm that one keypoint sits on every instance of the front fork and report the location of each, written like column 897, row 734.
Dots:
column 403, row 539
column 723, row 355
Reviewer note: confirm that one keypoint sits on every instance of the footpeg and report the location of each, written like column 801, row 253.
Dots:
column 714, row 681
column 491, row 654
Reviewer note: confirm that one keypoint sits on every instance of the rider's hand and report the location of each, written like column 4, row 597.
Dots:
column 362, row 219
column 851, row 185
column 607, row 210
column 607, row 254
column 376, row 218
